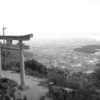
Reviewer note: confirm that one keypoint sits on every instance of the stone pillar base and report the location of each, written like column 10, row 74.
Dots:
column 23, row 87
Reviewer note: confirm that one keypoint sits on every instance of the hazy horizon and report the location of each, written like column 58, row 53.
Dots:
column 50, row 18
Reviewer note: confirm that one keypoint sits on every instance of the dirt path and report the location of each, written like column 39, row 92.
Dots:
column 35, row 90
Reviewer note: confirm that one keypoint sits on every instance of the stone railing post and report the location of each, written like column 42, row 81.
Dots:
column 51, row 87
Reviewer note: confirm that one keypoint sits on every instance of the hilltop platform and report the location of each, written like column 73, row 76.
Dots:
column 34, row 92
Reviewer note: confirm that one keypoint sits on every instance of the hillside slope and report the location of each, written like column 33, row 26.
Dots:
column 14, row 55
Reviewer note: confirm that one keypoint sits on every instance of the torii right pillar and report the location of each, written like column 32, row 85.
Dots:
column 23, row 84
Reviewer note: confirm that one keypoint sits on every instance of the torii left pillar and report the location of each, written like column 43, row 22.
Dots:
column 0, row 65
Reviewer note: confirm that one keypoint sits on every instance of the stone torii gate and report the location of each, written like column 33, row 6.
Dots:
column 19, row 47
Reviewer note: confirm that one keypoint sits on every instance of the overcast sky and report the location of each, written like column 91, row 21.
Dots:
column 47, row 18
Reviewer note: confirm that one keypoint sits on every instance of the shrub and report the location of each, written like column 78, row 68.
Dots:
column 96, row 74
column 60, row 78
column 12, row 65
column 77, row 94
column 83, row 89
column 35, row 66
column 57, row 79
column 32, row 67
column 72, row 83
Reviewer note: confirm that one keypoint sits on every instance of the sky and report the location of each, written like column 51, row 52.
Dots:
column 50, row 18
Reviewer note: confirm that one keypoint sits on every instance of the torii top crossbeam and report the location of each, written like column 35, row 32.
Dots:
column 23, row 38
